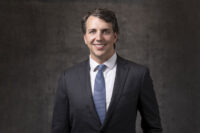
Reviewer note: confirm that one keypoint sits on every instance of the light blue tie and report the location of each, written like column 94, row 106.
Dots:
column 100, row 93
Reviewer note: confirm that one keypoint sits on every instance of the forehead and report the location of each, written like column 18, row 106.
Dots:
column 95, row 22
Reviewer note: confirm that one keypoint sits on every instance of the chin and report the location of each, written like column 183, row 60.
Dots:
column 100, row 54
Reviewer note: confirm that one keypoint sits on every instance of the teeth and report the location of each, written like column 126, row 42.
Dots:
column 99, row 46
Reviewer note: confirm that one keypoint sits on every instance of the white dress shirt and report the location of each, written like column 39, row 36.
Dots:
column 109, row 76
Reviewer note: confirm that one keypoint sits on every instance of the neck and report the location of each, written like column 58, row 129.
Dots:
column 101, row 60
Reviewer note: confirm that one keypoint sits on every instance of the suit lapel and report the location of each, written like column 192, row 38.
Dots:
column 89, row 96
column 121, row 75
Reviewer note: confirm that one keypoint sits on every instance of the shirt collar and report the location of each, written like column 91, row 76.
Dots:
column 110, row 63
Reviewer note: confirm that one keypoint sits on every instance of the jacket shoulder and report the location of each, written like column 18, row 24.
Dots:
column 77, row 67
column 133, row 65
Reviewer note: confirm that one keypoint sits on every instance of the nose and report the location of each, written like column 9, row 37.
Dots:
column 99, row 36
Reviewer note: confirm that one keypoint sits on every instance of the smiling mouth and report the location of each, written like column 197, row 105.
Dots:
column 99, row 46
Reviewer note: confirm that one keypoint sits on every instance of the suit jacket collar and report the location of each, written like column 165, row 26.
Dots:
column 91, row 105
column 121, row 75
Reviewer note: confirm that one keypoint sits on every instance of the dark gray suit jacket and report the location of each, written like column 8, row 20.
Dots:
column 74, row 110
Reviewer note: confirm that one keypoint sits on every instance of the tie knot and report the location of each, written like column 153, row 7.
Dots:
column 101, row 67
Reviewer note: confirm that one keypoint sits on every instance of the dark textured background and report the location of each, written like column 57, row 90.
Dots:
column 39, row 39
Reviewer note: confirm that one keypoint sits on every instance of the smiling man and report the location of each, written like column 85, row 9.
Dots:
column 100, row 39
column 104, row 93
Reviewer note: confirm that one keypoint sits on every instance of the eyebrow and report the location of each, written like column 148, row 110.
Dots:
column 91, row 29
column 101, row 29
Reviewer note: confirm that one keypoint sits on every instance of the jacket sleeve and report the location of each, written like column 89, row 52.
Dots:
column 60, row 122
column 148, row 106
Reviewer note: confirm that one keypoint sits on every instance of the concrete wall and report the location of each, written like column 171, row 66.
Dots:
column 39, row 39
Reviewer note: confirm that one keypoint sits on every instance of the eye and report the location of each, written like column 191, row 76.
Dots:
column 106, row 31
column 92, row 31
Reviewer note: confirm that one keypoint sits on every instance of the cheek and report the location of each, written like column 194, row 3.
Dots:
column 90, row 39
column 111, row 40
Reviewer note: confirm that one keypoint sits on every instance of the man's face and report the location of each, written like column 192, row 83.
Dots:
column 100, row 39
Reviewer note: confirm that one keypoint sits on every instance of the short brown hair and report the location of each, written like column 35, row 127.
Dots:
column 102, row 13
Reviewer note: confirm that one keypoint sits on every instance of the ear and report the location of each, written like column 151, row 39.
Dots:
column 85, row 40
column 115, row 37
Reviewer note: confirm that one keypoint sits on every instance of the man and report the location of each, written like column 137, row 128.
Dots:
column 103, row 93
